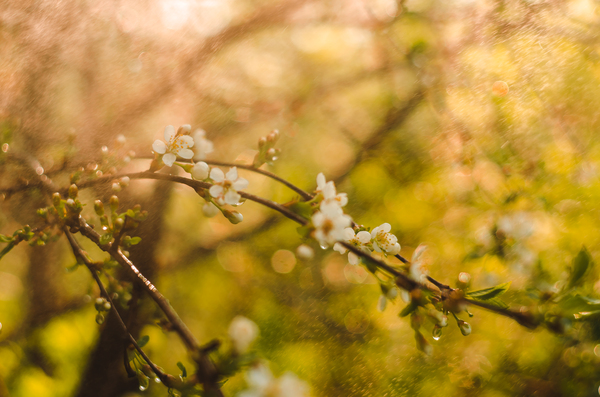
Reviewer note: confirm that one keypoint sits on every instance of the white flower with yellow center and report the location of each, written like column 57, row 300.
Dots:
column 361, row 240
column 328, row 190
column 174, row 145
column 384, row 241
column 329, row 223
column 226, row 186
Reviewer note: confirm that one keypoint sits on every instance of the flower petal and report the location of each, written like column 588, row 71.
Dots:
column 353, row 259
column 215, row 190
column 159, row 147
column 339, row 248
column 240, row 184
column 169, row 159
column 186, row 141
column 232, row 197
column 232, row 174
column 321, row 181
column 217, row 175
column 169, row 133
column 185, row 153
column 363, row 236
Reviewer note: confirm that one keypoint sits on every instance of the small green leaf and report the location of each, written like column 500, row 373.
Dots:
column 134, row 241
column 489, row 293
column 143, row 341
column 5, row 239
column 411, row 307
column 581, row 263
column 130, row 213
column 182, row 368
column 302, row 209
column 105, row 238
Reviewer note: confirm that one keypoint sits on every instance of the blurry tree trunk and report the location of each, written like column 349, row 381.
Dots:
column 105, row 375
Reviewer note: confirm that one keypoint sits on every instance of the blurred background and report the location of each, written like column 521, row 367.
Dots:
column 470, row 126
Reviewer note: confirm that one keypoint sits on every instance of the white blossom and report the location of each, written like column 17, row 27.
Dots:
column 174, row 145
column 328, row 190
column 202, row 146
column 242, row 332
column 200, row 171
column 384, row 241
column 418, row 271
column 329, row 223
column 360, row 240
column 305, row 252
column 225, row 188
column 262, row 383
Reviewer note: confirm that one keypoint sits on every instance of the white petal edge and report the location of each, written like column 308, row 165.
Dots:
column 159, row 147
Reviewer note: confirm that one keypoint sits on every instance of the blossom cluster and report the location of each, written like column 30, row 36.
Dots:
column 379, row 240
column 329, row 220
column 180, row 144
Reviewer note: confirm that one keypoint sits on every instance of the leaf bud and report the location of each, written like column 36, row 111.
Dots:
column 73, row 191
column 56, row 199
column 99, row 207
column 114, row 203
column 118, row 224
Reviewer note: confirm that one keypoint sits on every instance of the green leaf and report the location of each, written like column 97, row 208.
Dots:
column 134, row 241
column 581, row 263
column 5, row 239
column 105, row 238
column 302, row 209
column 489, row 293
column 143, row 341
column 578, row 303
column 182, row 368
column 411, row 307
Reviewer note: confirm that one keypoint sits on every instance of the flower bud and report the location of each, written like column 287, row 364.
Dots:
column 242, row 332
column 42, row 212
column 124, row 182
column 305, row 252
column 99, row 207
column 233, row 216
column 262, row 142
column 56, row 199
column 73, row 191
column 114, row 203
column 118, row 224
column 121, row 139
column 99, row 318
column 422, row 344
column 70, row 203
column 116, row 187
column 465, row 327
column 200, row 171
column 209, row 210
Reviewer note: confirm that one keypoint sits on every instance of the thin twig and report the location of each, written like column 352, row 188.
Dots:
column 81, row 254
